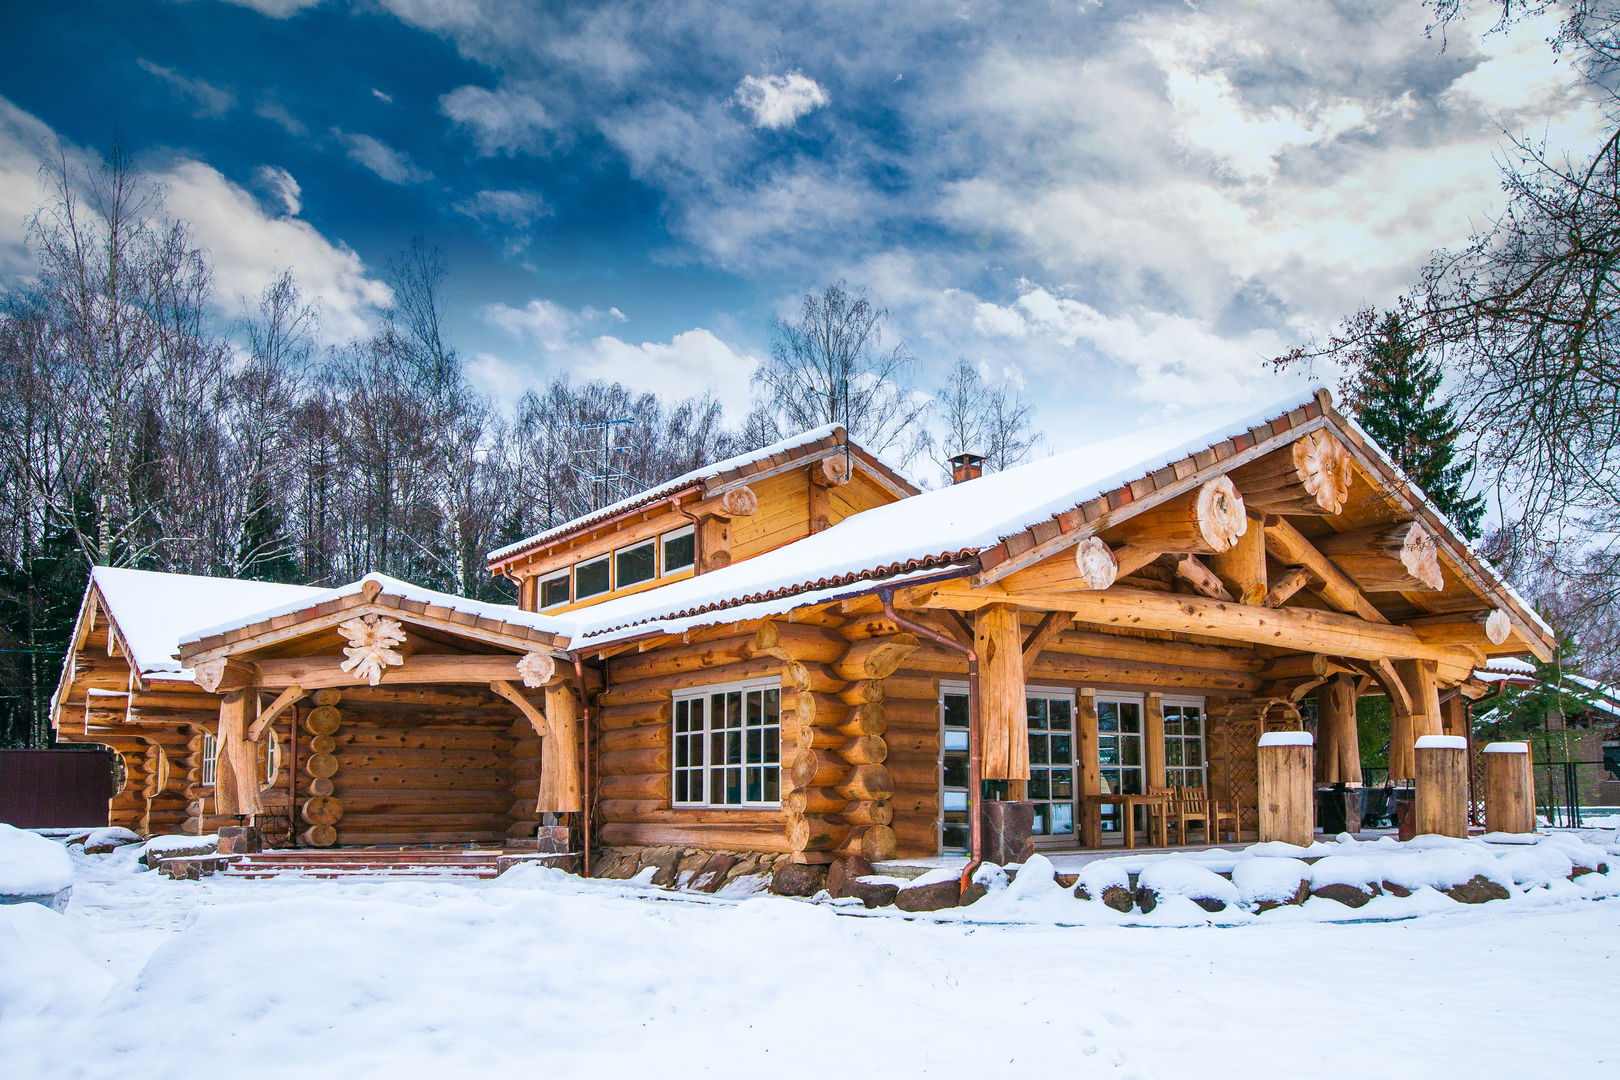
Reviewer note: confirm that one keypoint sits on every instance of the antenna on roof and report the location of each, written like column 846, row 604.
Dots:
column 608, row 480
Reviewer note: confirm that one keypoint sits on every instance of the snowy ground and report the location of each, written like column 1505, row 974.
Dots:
column 539, row 974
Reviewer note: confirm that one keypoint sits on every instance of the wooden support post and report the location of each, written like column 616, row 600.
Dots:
column 1153, row 742
column 1420, row 680
column 1454, row 715
column 236, row 773
column 1089, row 767
column 1287, row 788
column 560, row 785
column 1510, row 788
column 1441, row 800
column 1338, row 750
column 1242, row 567
column 1003, row 710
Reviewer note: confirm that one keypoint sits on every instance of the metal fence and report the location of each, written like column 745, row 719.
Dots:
column 1568, row 792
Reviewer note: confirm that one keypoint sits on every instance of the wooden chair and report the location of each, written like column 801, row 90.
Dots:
column 1159, row 816
column 1192, row 806
column 1220, row 818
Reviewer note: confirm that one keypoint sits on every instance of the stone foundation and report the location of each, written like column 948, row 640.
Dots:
column 699, row 869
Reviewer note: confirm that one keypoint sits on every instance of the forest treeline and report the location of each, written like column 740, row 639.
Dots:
column 140, row 429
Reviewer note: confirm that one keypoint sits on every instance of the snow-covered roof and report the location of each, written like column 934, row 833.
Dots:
column 937, row 528
column 153, row 610
column 670, row 487
column 387, row 586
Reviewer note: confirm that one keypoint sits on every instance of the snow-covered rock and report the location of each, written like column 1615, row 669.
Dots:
column 1161, row 880
column 1263, row 884
column 33, row 869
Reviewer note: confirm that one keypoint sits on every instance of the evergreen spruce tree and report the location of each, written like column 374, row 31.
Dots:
column 265, row 552
column 1392, row 395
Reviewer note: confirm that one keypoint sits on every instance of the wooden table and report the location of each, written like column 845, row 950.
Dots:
column 1128, row 803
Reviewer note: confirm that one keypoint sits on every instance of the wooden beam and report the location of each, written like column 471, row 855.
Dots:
column 1310, row 477
column 562, row 789
column 1051, row 625
column 1064, row 570
column 1204, row 521
column 1292, row 580
column 536, row 718
column 283, row 702
column 1201, row 578
column 236, row 769
column 1289, row 546
column 1387, row 558
column 1242, row 568
column 222, row 675
column 318, row 672
column 1482, row 629
column 1290, row 628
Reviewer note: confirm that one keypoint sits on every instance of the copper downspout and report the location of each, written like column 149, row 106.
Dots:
column 584, row 768
column 975, row 785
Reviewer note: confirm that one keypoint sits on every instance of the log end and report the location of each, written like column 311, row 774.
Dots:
column 1096, row 562
column 1222, row 518
column 1498, row 627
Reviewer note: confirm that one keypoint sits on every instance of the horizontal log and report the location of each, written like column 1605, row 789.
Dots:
column 863, row 750
column 806, row 833
column 424, row 779
column 867, row 812
column 1066, row 667
column 632, row 762
column 815, row 801
column 794, row 676
column 615, row 718
column 704, row 657
column 652, row 811
column 911, row 683
column 382, row 758
column 311, row 672
column 424, row 738
column 715, row 837
column 804, row 643
column 435, row 803
column 873, row 843
column 351, row 837
column 638, row 738
column 643, row 786
column 863, row 692
column 813, row 768
column 874, row 657
column 871, row 782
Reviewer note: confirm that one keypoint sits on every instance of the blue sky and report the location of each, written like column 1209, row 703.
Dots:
column 1127, row 207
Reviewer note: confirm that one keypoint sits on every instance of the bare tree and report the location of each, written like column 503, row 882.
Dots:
column 829, row 366
column 989, row 419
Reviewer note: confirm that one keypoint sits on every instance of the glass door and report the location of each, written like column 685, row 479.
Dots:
column 953, row 771
column 1119, row 752
column 1051, row 761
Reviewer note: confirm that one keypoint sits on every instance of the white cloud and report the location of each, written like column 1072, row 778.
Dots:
column 209, row 99
column 517, row 209
column 276, row 9
column 280, row 185
column 691, row 362
column 386, row 99
column 503, row 119
column 25, row 144
column 777, row 101
column 250, row 248
column 277, row 114
column 382, row 159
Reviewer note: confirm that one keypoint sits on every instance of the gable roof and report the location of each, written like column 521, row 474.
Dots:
column 793, row 452
column 151, row 611
column 999, row 522
column 507, row 624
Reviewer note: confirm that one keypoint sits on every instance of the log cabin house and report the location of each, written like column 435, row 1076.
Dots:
column 796, row 652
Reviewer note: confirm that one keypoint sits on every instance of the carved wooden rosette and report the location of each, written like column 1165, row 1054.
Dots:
column 371, row 649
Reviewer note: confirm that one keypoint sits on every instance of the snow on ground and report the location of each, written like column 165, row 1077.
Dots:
column 537, row 973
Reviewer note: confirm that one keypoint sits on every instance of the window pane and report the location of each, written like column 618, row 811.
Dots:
column 1107, row 716
column 1062, row 817
column 1040, row 784
column 1037, row 749
column 1037, row 714
column 1131, row 751
column 956, row 740
column 773, row 784
column 1172, row 752
column 956, row 772
column 679, row 552
column 956, row 710
column 591, row 578
column 635, row 565
column 1062, row 783
column 1062, row 750
column 1062, row 714
column 1130, row 717
column 554, row 591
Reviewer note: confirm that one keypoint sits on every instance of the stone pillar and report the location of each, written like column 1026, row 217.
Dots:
column 1441, row 800
column 1510, row 788
column 1287, row 787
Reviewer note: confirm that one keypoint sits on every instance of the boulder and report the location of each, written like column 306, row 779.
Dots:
column 1301, row 894
column 873, row 894
column 1349, row 895
column 845, row 870
column 1478, row 889
column 976, row 891
column 103, row 841
column 934, row 896
column 1176, row 877
column 1121, row 900
column 1396, row 889
column 799, row 879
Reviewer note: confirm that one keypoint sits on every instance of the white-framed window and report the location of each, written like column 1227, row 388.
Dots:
column 1119, row 751
column 679, row 550
column 1184, row 764
column 728, row 745
column 634, row 564
column 555, row 589
column 593, row 578
column 210, row 758
column 1050, row 719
